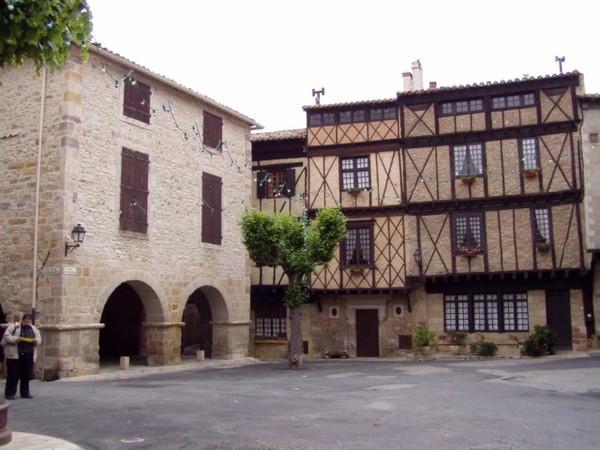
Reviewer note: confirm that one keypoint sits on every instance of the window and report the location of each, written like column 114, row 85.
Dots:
column 594, row 138
column 355, row 173
column 352, row 116
column 211, row 209
column 383, row 113
column 270, row 322
column 513, row 101
column 212, row 130
column 134, row 191
column 358, row 246
column 136, row 100
column 322, row 118
column 462, row 107
column 541, row 226
column 276, row 183
column 529, row 154
column 345, row 116
column 468, row 233
column 468, row 160
column 492, row 312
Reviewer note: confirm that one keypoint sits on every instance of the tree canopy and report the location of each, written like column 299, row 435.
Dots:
column 298, row 246
column 43, row 30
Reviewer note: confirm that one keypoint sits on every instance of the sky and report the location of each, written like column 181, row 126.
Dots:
column 263, row 58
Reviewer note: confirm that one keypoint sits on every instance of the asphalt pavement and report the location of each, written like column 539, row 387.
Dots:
column 440, row 402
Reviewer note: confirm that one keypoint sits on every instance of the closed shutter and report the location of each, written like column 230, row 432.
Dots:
column 211, row 209
column 212, row 130
column 261, row 184
column 136, row 101
column 134, row 191
column 290, row 182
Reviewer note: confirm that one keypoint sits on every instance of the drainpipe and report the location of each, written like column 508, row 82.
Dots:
column 37, row 194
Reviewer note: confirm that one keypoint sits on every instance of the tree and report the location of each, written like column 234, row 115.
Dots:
column 298, row 247
column 43, row 30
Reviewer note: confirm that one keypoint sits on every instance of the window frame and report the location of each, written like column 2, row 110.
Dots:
column 212, row 212
column 530, row 154
column 212, row 130
column 459, row 107
column 358, row 235
column 490, row 312
column 472, row 163
column 270, row 321
column 359, row 174
column 513, row 101
column 266, row 182
column 473, row 239
column 134, row 191
column 541, row 220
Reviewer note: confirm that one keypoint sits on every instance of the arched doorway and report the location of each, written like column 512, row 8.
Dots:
column 197, row 333
column 122, row 317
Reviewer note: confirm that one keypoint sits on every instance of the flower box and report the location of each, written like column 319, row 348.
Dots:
column 354, row 191
column 530, row 173
column 542, row 246
column 467, row 179
column 357, row 270
column 469, row 252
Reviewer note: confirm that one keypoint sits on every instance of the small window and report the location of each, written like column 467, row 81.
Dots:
column 468, row 160
column 134, row 191
column 541, row 226
column 468, row 233
column 212, row 209
column 276, row 183
column 136, row 100
column 456, row 312
column 212, row 130
column 358, row 116
column 345, row 116
column 382, row 113
column 593, row 138
column 529, row 154
column 461, row 107
column 515, row 312
column 358, row 246
column 355, row 173
column 270, row 321
column 513, row 101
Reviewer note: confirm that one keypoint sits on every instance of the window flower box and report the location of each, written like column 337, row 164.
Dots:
column 543, row 246
column 531, row 173
column 467, row 179
column 354, row 191
column 469, row 251
column 358, row 270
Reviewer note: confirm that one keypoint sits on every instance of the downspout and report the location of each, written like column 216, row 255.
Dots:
column 37, row 195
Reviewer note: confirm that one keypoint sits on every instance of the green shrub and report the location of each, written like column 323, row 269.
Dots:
column 541, row 342
column 484, row 348
column 457, row 337
column 422, row 337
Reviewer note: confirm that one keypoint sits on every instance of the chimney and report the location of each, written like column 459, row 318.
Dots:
column 407, row 76
column 433, row 85
column 417, row 72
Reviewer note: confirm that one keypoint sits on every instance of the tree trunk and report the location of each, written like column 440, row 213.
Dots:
column 296, row 349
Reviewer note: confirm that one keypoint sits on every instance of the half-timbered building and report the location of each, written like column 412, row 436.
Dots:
column 465, row 212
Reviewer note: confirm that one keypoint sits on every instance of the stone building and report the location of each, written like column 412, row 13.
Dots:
column 157, row 175
column 465, row 212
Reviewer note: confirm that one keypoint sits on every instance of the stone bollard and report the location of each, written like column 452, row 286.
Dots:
column 5, row 432
column 200, row 355
column 124, row 362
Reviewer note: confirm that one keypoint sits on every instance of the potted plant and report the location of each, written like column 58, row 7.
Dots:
column 456, row 339
column 467, row 179
column 357, row 270
column 354, row 191
column 422, row 340
column 542, row 246
column 468, row 251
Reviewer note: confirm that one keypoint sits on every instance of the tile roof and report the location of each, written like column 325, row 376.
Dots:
column 299, row 133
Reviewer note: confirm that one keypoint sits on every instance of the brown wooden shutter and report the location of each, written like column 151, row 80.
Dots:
column 290, row 182
column 134, row 191
column 261, row 184
column 212, row 130
column 136, row 101
column 211, row 209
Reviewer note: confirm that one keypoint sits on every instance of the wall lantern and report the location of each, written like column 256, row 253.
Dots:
column 77, row 235
column 418, row 257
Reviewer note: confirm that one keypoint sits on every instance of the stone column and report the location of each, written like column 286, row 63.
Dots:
column 230, row 340
column 163, row 343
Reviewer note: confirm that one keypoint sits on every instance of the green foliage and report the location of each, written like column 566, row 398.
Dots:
column 43, row 30
column 457, row 337
column 484, row 348
column 422, row 337
column 541, row 342
column 296, row 295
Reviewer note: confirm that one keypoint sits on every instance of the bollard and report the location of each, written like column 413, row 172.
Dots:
column 200, row 355
column 124, row 362
column 5, row 432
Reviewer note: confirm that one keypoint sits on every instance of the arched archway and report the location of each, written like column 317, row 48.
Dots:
column 203, row 307
column 128, row 307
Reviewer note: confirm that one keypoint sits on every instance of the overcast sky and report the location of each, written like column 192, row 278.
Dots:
column 263, row 58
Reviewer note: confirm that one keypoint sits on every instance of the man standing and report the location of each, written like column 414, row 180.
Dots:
column 20, row 343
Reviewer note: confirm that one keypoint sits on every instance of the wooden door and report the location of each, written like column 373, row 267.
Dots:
column 367, row 332
column 558, row 314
